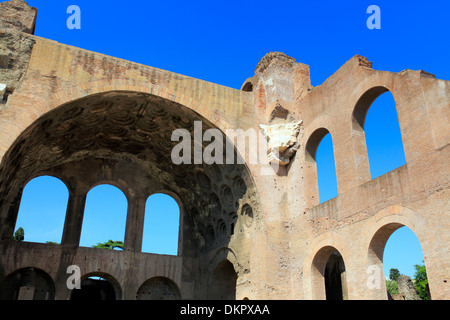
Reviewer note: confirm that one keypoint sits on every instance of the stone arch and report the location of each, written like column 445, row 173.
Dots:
column 97, row 286
column 97, row 219
column 388, row 220
column 181, row 206
column 127, row 136
column 27, row 284
column 127, row 115
column 225, row 254
column 52, row 174
column 118, row 184
column 358, row 121
column 225, row 269
column 222, row 282
column 159, row 288
column 375, row 257
column 363, row 105
column 168, row 226
column 313, row 141
column 171, row 194
column 248, row 87
column 385, row 222
column 378, row 242
column 328, row 278
column 183, row 96
column 311, row 176
column 41, row 106
column 51, row 208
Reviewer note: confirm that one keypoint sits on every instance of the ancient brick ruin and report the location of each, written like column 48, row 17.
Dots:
column 87, row 118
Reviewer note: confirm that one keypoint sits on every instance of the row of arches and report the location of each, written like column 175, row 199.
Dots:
column 375, row 119
column 329, row 268
column 43, row 207
column 35, row 284
column 328, row 276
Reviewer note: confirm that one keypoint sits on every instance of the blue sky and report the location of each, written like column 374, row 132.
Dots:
column 222, row 41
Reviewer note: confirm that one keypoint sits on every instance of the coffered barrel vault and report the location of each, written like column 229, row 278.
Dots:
column 245, row 231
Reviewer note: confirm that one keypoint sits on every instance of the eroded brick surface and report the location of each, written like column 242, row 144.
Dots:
column 87, row 118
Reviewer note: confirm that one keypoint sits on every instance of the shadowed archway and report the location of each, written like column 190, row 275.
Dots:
column 223, row 282
column 126, row 139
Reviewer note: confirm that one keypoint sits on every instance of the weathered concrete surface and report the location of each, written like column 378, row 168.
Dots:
column 17, row 15
column 17, row 22
column 406, row 288
column 87, row 118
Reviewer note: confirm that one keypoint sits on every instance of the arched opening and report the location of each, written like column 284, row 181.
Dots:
column 27, row 284
column 395, row 247
column 326, row 170
column 42, row 210
column 335, row 277
column 320, row 155
column 248, row 87
column 97, row 287
column 376, row 131
column 161, row 225
column 158, row 288
column 223, row 282
column 104, row 216
column 328, row 275
column 126, row 138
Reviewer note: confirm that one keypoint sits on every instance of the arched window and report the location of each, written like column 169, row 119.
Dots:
column 326, row 169
column 42, row 210
column 104, row 216
column 328, row 275
column 375, row 120
column 395, row 246
column 161, row 225
column 402, row 253
column 320, row 154
column 383, row 137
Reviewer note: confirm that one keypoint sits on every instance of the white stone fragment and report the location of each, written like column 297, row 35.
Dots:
column 281, row 137
column 2, row 90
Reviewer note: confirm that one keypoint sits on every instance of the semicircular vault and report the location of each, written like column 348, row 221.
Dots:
column 124, row 138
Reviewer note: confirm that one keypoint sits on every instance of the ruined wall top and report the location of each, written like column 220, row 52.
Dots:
column 17, row 15
column 17, row 22
column 274, row 57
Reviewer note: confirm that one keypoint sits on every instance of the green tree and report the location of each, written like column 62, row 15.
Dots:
column 421, row 281
column 392, row 286
column 394, row 274
column 19, row 235
column 109, row 245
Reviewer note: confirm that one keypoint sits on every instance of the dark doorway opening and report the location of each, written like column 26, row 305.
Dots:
column 223, row 282
column 94, row 289
column 335, row 277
